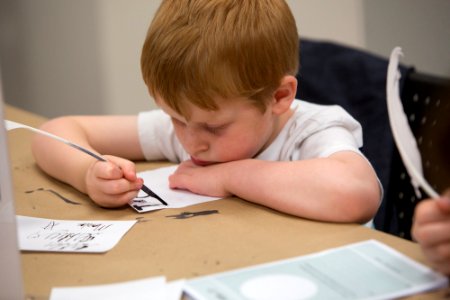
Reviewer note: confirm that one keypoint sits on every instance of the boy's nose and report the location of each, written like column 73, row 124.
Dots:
column 195, row 143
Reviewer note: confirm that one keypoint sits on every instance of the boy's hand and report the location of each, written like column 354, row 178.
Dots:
column 431, row 229
column 113, row 183
column 207, row 180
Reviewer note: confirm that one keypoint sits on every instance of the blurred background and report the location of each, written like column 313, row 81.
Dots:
column 61, row 57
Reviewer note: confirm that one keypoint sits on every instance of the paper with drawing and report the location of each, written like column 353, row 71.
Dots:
column 37, row 234
column 158, row 181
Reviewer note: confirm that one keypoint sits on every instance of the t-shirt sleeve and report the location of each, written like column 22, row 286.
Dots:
column 323, row 131
column 342, row 133
column 331, row 140
column 157, row 137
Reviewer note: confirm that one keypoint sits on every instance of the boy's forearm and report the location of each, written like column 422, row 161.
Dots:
column 60, row 160
column 65, row 165
column 320, row 189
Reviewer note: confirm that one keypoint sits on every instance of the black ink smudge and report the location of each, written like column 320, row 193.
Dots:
column 187, row 214
column 140, row 206
column 141, row 220
column 54, row 193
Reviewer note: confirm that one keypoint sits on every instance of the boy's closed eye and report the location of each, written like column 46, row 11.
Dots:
column 215, row 129
column 210, row 128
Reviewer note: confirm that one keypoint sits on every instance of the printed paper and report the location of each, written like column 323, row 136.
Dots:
column 365, row 270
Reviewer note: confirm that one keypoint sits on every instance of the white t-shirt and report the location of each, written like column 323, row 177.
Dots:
column 312, row 131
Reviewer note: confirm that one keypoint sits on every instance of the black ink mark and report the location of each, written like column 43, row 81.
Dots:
column 150, row 193
column 141, row 220
column 140, row 206
column 60, row 246
column 141, row 198
column 31, row 297
column 139, row 201
column 50, row 225
column 187, row 214
column 64, row 236
column 35, row 235
column 95, row 226
column 54, row 193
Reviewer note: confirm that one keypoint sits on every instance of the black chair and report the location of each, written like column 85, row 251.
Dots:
column 331, row 73
column 426, row 101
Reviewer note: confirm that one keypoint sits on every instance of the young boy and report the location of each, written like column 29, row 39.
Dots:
column 222, row 73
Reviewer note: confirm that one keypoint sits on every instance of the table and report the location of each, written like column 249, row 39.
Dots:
column 240, row 234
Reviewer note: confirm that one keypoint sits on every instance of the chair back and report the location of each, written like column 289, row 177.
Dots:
column 426, row 101
column 355, row 79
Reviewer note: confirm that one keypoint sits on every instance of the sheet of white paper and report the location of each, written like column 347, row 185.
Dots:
column 154, row 288
column 158, row 181
column 403, row 136
column 364, row 270
column 174, row 289
column 143, row 289
column 37, row 234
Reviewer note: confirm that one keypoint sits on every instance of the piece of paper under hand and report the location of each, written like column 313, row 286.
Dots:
column 403, row 136
column 158, row 181
column 37, row 234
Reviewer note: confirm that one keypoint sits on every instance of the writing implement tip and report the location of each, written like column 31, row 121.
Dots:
column 152, row 194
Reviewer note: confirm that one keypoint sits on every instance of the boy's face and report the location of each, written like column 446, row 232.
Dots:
column 237, row 130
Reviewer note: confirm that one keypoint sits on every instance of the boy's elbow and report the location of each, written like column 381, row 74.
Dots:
column 365, row 199
column 360, row 187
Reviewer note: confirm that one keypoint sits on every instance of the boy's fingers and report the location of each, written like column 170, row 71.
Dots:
column 177, row 181
column 130, row 173
column 127, row 167
column 111, row 201
column 107, row 170
column 119, row 186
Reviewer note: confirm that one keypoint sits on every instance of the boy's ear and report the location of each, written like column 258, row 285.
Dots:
column 284, row 94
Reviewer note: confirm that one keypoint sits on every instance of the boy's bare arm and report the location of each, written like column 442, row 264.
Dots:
column 340, row 188
column 112, row 135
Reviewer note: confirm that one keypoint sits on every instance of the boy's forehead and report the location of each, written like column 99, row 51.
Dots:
column 227, row 110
